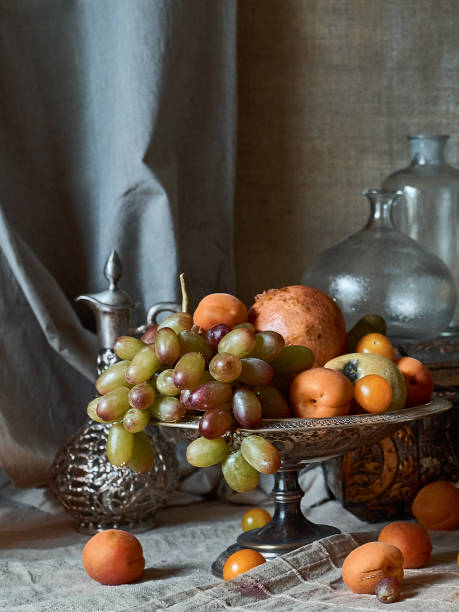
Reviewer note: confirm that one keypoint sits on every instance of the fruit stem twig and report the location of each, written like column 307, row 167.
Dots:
column 184, row 293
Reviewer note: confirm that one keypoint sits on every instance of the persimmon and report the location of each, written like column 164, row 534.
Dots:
column 377, row 344
column 218, row 308
column 321, row 392
column 373, row 393
column 241, row 561
column 419, row 381
column 412, row 539
column 436, row 506
column 113, row 557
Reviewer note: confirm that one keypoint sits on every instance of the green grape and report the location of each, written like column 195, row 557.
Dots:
column 119, row 445
column 239, row 342
column 113, row 405
column 261, row 454
column 292, row 360
column 92, row 410
column 225, row 367
column 255, row 371
column 143, row 456
column 143, row 365
column 141, row 396
column 268, row 345
column 167, row 409
column 246, row 408
column 239, row 474
column 273, row 403
column 193, row 342
column 178, row 321
column 203, row 452
column 165, row 383
column 245, row 325
column 188, row 370
column 167, row 345
column 135, row 420
column 210, row 395
column 127, row 346
column 215, row 423
column 113, row 377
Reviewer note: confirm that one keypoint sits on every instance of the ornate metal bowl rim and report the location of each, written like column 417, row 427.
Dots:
column 435, row 406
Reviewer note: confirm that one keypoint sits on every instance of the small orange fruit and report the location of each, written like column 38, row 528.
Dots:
column 378, row 344
column 255, row 518
column 241, row 561
column 321, row 392
column 419, row 380
column 436, row 506
column 373, row 393
column 113, row 557
column 412, row 539
column 366, row 565
column 219, row 308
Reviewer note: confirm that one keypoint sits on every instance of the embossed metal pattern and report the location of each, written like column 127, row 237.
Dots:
column 312, row 440
column 99, row 495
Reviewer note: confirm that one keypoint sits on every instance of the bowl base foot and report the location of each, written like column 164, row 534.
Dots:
column 270, row 549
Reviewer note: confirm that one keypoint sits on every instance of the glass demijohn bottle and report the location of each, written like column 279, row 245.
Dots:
column 429, row 208
column 381, row 270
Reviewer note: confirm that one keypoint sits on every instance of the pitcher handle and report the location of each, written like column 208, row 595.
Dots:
column 153, row 313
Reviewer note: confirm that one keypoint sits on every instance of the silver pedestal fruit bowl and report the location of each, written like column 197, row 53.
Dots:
column 301, row 442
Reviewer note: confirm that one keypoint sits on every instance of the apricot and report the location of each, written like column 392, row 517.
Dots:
column 418, row 379
column 219, row 308
column 321, row 392
column 113, row 557
column 412, row 539
column 366, row 565
column 436, row 506
column 302, row 315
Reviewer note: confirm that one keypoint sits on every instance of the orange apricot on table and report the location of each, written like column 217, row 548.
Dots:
column 373, row 393
column 219, row 308
column 321, row 392
column 377, row 344
column 419, row 381
column 303, row 316
column 366, row 565
column 241, row 561
column 113, row 557
column 436, row 506
column 412, row 539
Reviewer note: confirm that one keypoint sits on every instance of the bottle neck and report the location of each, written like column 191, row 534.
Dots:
column 381, row 203
column 427, row 149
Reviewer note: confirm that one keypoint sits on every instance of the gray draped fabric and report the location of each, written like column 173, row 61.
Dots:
column 117, row 124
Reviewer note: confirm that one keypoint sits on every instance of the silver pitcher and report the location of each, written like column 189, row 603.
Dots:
column 95, row 493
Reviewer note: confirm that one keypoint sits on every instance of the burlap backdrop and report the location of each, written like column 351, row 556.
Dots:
column 328, row 90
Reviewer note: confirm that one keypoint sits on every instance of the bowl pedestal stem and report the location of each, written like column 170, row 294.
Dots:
column 287, row 530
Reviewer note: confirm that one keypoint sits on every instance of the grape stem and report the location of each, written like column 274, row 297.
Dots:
column 184, row 293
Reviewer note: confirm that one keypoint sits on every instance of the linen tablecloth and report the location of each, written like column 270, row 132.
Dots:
column 41, row 569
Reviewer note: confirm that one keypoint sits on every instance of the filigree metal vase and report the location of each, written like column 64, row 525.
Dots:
column 95, row 493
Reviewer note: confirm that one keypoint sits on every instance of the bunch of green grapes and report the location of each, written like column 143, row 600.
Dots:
column 231, row 378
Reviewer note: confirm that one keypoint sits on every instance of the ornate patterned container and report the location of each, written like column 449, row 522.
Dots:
column 95, row 493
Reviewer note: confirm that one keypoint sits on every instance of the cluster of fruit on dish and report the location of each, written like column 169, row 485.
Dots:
column 289, row 355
